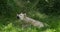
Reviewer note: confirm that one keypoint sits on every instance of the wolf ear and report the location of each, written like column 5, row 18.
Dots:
column 24, row 14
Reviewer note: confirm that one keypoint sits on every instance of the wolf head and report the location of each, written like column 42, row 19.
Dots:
column 21, row 16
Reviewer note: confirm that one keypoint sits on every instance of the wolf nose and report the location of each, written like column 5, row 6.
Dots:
column 17, row 17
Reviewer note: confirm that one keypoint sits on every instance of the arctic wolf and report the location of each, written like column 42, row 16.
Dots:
column 22, row 16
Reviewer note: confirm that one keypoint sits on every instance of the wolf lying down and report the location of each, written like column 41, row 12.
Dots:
column 22, row 16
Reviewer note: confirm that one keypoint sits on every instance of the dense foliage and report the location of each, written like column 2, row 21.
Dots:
column 47, row 11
